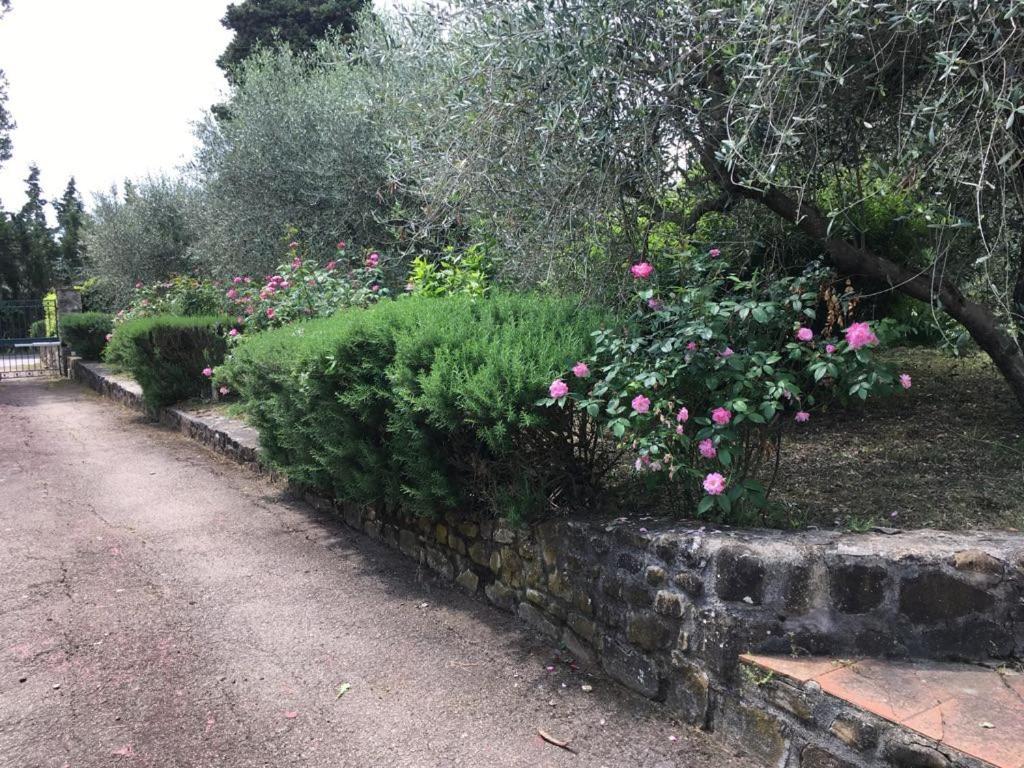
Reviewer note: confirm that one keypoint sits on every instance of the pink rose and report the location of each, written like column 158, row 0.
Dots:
column 331, row 266
column 642, row 270
column 802, row 416
column 830, row 349
column 293, row 245
column 714, row 484
column 138, row 284
column 641, row 404
column 207, row 371
column 236, row 280
column 683, row 416
column 375, row 288
column 804, row 334
column 373, row 259
column 232, row 294
column 341, row 245
column 714, row 253
column 692, row 346
column 109, row 336
column 727, row 352
column 654, row 305
column 224, row 390
column 860, row 335
column 581, row 370
column 233, row 332
column 721, row 416
column 270, row 313
column 558, row 389
column 707, row 448
column 905, row 380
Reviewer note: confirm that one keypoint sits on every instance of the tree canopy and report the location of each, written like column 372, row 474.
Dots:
column 300, row 24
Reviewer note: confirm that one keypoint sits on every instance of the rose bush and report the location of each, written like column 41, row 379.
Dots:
column 702, row 381
column 299, row 289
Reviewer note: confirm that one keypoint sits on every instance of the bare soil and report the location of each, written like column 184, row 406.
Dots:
column 948, row 453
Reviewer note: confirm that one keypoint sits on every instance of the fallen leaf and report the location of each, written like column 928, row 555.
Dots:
column 557, row 742
column 986, row 725
column 342, row 690
column 291, row 714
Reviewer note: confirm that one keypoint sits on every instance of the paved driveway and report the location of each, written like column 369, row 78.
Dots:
column 161, row 607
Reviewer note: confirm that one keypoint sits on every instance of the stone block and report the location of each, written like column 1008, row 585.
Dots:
column 977, row 561
column 538, row 620
column 631, row 668
column 690, row 583
column 579, row 648
column 478, row 553
column 854, row 731
column 816, row 757
column 668, row 604
column 582, row 626
column 688, row 693
column 655, row 575
column 504, row 536
column 468, row 580
column 857, row 587
column 758, row 732
column 934, row 597
column 438, row 562
column 739, row 575
column 501, row 596
column 649, row 631
column 469, row 530
column 909, row 754
column 408, row 543
column 456, row 544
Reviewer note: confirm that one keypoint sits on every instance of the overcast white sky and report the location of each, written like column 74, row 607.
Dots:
column 107, row 89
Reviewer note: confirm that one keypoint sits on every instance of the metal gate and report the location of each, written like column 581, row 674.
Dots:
column 29, row 342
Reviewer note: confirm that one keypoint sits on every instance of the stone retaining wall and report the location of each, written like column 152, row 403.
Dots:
column 667, row 609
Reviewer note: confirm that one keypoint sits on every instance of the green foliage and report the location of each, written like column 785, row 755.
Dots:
column 296, row 23
column 181, row 295
column 302, row 146
column 146, row 234
column 424, row 402
column 168, row 354
column 702, row 382
column 70, row 225
column 86, row 332
column 464, row 272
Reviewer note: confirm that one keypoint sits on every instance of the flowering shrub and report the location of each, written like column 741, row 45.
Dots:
column 708, row 374
column 298, row 290
column 301, row 289
column 86, row 332
column 182, row 295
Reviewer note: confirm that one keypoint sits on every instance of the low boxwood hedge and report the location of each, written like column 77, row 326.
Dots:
column 427, row 403
column 167, row 355
column 86, row 332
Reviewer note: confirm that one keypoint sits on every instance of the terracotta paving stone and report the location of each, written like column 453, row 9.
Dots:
column 799, row 668
column 973, row 709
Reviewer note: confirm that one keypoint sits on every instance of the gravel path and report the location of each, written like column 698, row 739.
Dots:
column 161, row 607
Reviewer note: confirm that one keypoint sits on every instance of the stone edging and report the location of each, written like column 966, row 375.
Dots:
column 667, row 609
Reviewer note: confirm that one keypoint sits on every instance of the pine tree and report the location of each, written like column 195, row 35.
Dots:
column 70, row 221
column 6, row 121
column 296, row 22
column 34, row 251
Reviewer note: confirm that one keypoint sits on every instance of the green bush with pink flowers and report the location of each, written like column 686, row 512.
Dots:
column 713, row 368
column 300, row 289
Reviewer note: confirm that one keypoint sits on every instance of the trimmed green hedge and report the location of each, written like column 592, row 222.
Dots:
column 167, row 354
column 86, row 332
column 428, row 403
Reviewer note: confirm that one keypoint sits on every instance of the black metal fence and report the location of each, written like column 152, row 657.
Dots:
column 29, row 338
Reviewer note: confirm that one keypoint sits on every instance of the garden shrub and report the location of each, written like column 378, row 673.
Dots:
column 428, row 403
column 710, row 371
column 171, row 357
column 37, row 330
column 86, row 332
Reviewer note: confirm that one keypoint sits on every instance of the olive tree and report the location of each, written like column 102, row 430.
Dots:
column 147, row 233
column 553, row 112
column 300, row 147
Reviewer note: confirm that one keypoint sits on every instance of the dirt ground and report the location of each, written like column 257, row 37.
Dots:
column 948, row 453
column 160, row 607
